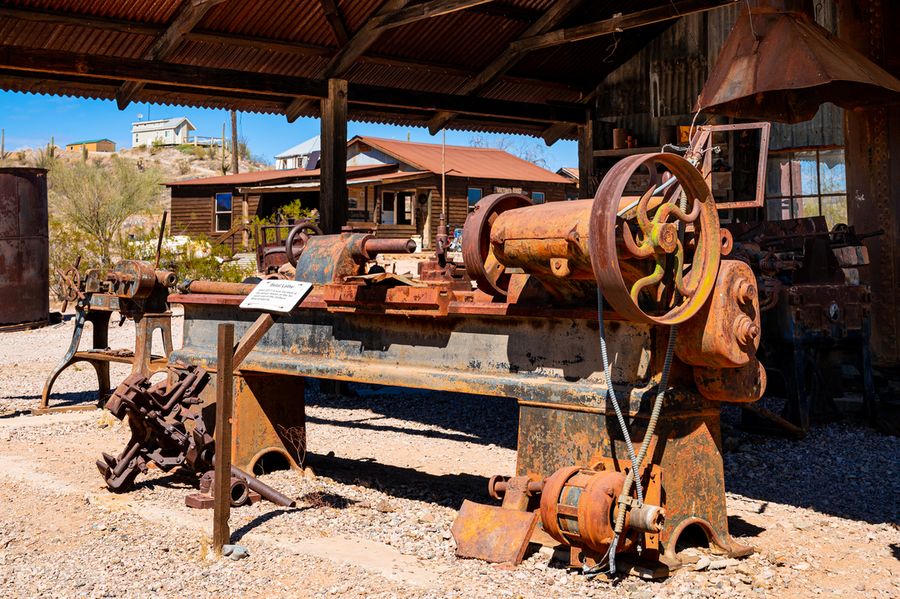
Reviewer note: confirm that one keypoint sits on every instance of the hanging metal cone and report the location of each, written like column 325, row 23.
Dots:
column 784, row 66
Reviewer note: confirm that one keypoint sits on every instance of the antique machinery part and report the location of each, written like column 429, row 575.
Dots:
column 70, row 283
column 132, row 279
column 158, row 415
column 515, row 492
column 648, row 273
column 477, row 249
column 168, row 429
column 238, row 489
column 298, row 237
column 653, row 279
column 329, row 259
column 579, row 507
column 726, row 332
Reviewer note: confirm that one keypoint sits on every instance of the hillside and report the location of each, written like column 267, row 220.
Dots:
column 175, row 163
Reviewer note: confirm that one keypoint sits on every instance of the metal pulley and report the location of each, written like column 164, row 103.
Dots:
column 655, row 262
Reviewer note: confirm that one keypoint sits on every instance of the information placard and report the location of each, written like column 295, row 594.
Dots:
column 276, row 295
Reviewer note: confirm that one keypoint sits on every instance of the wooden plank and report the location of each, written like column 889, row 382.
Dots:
column 189, row 15
column 502, row 63
column 253, row 335
column 666, row 12
column 333, row 160
column 586, row 160
column 224, row 411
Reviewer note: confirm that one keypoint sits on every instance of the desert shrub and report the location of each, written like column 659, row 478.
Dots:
column 294, row 211
column 95, row 200
column 188, row 258
column 184, row 166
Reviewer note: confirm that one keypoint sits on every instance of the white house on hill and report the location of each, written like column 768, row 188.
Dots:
column 169, row 132
column 303, row 155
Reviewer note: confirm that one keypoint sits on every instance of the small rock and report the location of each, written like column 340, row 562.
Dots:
column 702, row 564
column 801, row 566
column 447, row 535
column 721, row 564
column 235, row 552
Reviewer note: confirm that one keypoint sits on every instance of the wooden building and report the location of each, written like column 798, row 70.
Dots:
column 92, row 145
column 393, row 187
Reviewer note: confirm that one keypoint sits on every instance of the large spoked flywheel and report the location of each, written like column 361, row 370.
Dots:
column 655, row 254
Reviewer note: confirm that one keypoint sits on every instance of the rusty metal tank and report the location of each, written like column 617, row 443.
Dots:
column 24, row 248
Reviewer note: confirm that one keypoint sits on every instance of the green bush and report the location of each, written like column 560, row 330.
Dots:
column 292, row 211
column 187, row 258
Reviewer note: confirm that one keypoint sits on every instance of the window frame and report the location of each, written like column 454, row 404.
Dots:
column 469, row 190
column 534, row 197
column 793, row 199
column 217, row 212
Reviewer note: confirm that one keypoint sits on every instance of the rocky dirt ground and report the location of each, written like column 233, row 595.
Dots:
column 387, row 470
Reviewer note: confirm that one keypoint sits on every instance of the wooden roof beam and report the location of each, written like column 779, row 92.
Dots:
column 497, row 67
column 616, row 24
column 393, row 13
column 192, row 79
column 191, row 12
column 335, row 20
column 426, row 10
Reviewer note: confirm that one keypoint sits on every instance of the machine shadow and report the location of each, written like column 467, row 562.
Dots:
column 447, row 490
column 828, row 454
column 480, row 419
column 70, row 398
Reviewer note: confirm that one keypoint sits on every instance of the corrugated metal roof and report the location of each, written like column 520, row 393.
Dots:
column 265, row 176
column 233, row 35
column 462, row 161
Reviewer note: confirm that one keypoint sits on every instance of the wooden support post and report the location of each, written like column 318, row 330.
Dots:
column 235, row 154
column 249, row 340
column 586, row 160
column 224, row 409
column 333, row 161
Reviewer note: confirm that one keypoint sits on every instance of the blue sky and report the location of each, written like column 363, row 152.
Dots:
column 30, row 120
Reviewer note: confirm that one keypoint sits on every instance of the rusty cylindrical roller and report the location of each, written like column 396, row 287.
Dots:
column 578, row 508
column 374, row 246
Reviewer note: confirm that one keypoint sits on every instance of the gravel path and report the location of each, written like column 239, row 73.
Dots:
column 387, row 471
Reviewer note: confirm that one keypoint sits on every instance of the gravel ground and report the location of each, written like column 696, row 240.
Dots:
column 387, row 471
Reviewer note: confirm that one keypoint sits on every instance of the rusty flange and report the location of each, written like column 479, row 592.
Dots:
column 646, row 271
column 478, row 255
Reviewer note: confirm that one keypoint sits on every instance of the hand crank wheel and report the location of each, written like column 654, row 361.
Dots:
column 297, row 238
column 655, row 262
column 478, row 256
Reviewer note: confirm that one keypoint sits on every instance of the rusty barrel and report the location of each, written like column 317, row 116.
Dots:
column 24, row 248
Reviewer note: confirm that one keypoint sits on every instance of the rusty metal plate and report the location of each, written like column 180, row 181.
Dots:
column 492, row 533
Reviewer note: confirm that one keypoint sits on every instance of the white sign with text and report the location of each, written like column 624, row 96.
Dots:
column 276, row 295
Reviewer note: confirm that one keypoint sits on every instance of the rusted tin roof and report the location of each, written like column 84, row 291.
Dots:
column 90, row 48
column 462, row 161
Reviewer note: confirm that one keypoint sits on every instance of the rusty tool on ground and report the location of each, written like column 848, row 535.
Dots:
column 168, row 429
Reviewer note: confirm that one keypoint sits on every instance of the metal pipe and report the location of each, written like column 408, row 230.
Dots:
column 374, row 246
column 218, row 287
column 263, row 489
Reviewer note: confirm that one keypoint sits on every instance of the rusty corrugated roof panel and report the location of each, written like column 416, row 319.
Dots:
column 464, row 42
column 463, row 161
column 268, row 176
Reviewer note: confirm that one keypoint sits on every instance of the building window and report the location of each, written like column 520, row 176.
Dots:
column 474, row 194
column 807, row 183
column 537, row 197
column 223, row 212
